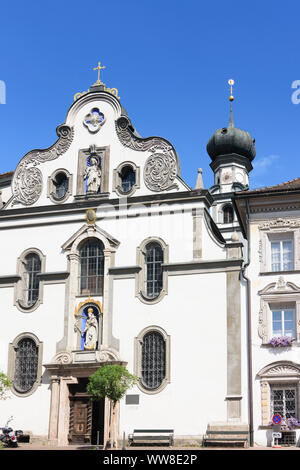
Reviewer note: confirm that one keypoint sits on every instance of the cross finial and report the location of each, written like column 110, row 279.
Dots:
column 98, row 82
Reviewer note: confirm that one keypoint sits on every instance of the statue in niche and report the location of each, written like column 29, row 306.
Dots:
column 92, row 175
column 90, row 331
column 89, row 334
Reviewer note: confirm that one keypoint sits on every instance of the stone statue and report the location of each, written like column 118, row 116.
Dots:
column 93, row 176
column 91, row 331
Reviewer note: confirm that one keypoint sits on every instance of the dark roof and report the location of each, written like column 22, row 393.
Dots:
column 231, row 140
column 6, row 175
column 286, row 186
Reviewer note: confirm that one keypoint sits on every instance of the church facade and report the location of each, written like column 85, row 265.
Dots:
column 116, row 260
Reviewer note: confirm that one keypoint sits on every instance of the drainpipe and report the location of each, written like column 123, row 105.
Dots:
column 249, row 336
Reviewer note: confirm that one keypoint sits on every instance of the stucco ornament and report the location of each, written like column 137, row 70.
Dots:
column 27, row 181
column 94, row 120
column 64, row 357
column 162, row 166
column 160, row 169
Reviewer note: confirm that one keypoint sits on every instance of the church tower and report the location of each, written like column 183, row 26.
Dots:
column 231, row 151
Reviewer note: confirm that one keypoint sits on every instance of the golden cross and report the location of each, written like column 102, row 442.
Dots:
column 99, row 68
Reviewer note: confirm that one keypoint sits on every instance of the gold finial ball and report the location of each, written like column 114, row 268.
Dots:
column 231, row 98
column 231, row 82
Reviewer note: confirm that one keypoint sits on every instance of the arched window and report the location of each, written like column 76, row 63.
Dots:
column 32, row 267
column 128, row 178
column 26, row 365
column 154, row 258
column 92, row 267
column 228, row 214
column 61, row 185
column 153, row 363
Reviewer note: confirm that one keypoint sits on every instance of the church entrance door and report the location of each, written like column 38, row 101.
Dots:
column 86, row 417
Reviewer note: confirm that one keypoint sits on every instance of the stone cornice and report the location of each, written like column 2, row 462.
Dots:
column 80, row 206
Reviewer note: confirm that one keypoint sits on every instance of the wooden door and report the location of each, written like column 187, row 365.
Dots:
column 80, row 420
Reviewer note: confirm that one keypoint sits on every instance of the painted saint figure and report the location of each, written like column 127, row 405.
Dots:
column 91, row 331
column 93, row 176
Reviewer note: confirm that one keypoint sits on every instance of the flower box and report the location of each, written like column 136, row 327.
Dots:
column 281, row 341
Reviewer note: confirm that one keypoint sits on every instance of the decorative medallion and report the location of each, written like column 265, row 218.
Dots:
column 160, row 170
column 27, row 180
column 90, row 216
column 94, row 120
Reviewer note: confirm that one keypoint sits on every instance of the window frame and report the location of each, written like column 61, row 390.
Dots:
column 224, row 208
column 277, row 296
column 274, row 230
column 284, row 387
column 277, row 374
column 138, row 359
column 98, row 260
column 281, row 241
column 51, row 188
column 12, row 355
column 20, row 286
column 282, row 309
column 141, row 277
column 117, row 181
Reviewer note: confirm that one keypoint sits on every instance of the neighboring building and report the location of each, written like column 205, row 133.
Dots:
column 108, row 256
column 270, row 220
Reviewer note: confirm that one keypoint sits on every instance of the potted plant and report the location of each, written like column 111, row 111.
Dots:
column 281, row 341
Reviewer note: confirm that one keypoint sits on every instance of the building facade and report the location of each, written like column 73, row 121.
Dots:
column 114, row 259
column 269, row 219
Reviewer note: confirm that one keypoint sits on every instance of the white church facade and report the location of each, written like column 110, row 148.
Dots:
column 114, row 259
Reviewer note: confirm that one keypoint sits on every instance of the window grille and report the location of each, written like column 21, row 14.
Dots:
column 32, row 269
column 154, row 273
column 26, row 365
column 92, row 268
column 153, row 368
column 284, row 401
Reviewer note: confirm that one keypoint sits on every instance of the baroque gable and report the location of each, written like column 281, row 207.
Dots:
column 95, row 140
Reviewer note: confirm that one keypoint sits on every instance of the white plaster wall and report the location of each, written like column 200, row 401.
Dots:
column 46, row 322
column 196, row 323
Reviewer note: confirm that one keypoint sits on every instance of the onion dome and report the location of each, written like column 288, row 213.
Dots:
column 231, row 140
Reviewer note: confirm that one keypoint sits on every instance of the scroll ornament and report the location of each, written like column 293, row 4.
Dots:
column 161, row 167
column 27, row 182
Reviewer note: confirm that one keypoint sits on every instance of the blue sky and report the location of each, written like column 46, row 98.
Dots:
column 170, row 61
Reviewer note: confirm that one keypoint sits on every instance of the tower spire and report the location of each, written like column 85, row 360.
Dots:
column 231, row 98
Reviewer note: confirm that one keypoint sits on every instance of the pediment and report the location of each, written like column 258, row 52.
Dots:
column 90, row 231
column 280, row 287
column 280, row 369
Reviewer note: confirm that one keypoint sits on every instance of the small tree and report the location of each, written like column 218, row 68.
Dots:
column 112, row 382
column 5, row 385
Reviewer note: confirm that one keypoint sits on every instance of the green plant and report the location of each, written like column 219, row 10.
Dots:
column 112, row 382
column 5, row 385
